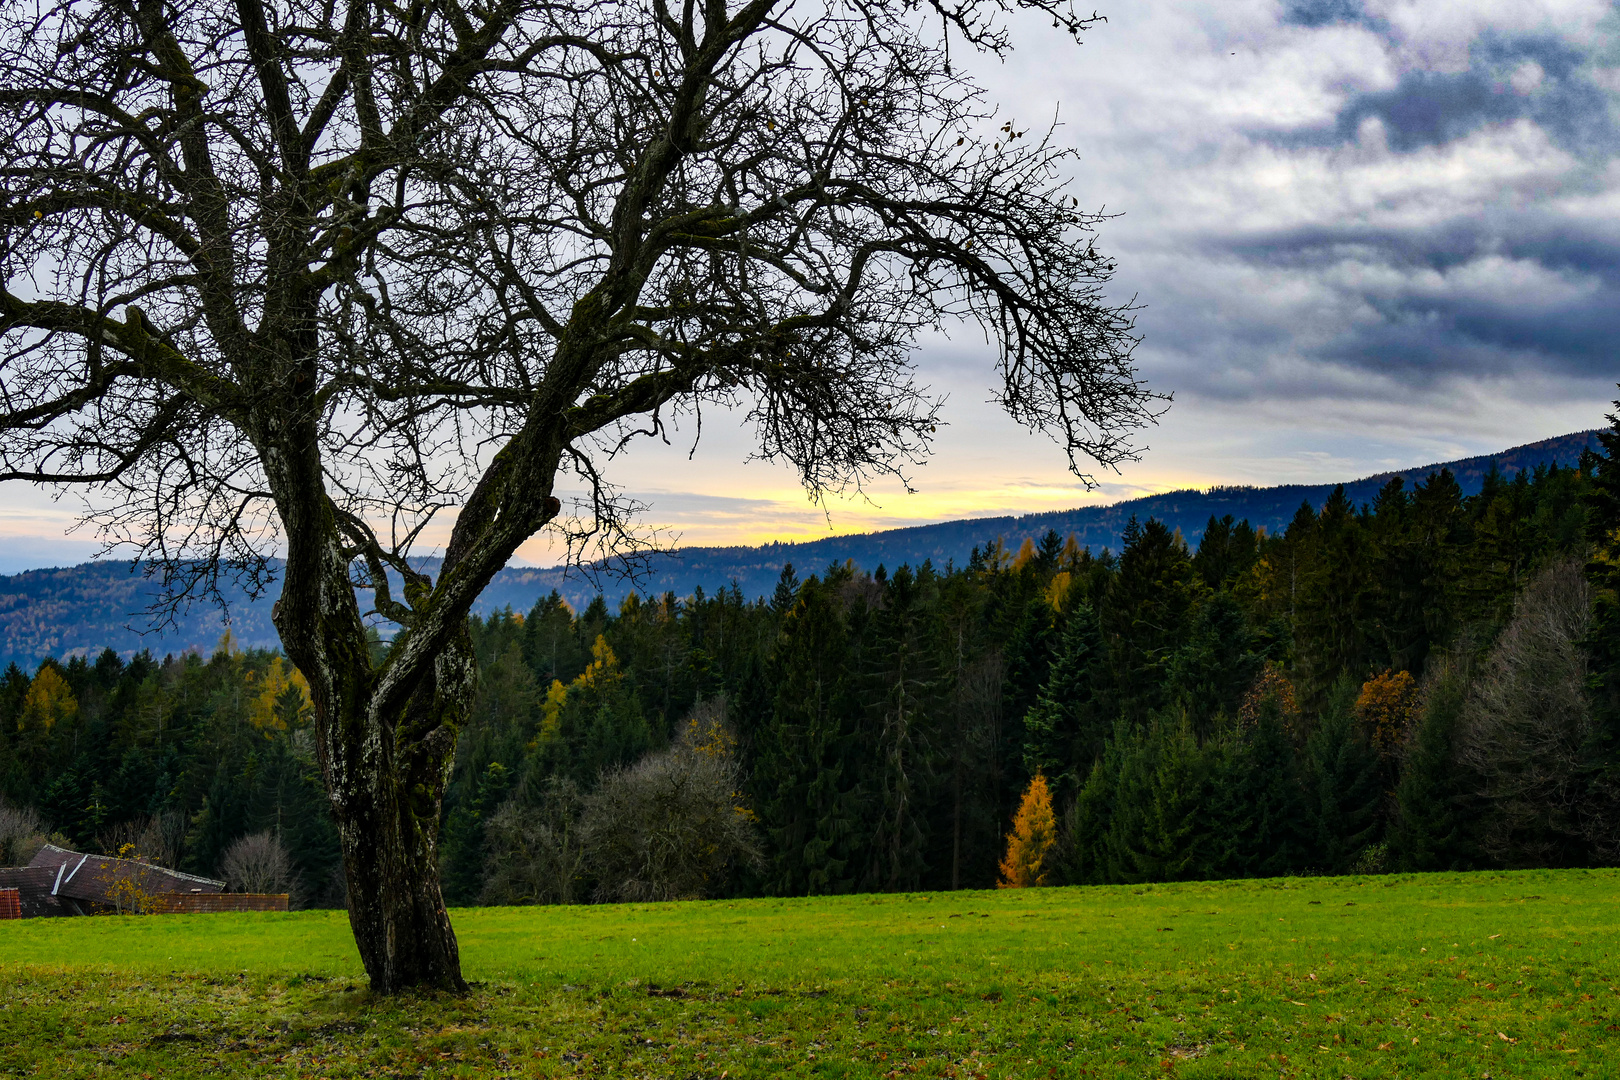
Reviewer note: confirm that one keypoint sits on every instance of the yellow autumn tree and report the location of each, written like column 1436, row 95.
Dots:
column 601, row 672
column 1026, row 553
column 268, row 688
column 551, row 711
column 1385, row 707
column 228, row 646
column 1034, row 832
column 49, row 701
column 1057, row 590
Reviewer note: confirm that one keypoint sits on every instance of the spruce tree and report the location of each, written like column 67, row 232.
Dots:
column 462, row 859
column 1602, row 506
column 1208, row 676
column 1065, row 730
column 1165, row 834
column 1258, row 802
column 1431, row 829
column 1343, row 788
column 1090, row 822
column 549, row 645
column 806, row 804
column 1145, row 615
column 1028, row 658
column 901, row 688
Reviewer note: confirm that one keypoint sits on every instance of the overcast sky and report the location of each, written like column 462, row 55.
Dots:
column 1364, row 235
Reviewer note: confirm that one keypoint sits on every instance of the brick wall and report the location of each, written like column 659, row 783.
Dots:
column 205, row 903
column 10, row 904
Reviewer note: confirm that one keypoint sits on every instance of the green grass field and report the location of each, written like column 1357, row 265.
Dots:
column 1505, row 975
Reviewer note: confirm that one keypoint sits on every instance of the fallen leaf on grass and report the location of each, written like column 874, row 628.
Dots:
column 1504, row 1038
column 1385, row 1046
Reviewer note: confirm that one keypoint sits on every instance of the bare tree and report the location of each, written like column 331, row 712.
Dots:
column 163, row 838
column 22, row 834
column 288, row 275
column 155, row 839
column 258, row 863
column 1527, row 728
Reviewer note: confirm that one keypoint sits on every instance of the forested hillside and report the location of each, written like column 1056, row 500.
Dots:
column 81, row 610
column 1402, row 683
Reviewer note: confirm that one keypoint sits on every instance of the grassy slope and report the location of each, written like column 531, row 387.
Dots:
column 1507, row 974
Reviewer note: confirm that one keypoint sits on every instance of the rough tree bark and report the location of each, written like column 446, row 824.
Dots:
column 293, row 276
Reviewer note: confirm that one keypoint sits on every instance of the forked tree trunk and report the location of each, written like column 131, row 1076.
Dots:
column 386, row 776
column 385, row 766
column 388, row 821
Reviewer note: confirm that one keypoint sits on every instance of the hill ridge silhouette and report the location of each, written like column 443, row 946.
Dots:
column 79, row 610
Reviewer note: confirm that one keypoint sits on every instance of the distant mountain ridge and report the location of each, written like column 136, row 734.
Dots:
column 82, row 609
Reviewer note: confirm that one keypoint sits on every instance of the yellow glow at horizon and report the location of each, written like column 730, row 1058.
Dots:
column 785, row 514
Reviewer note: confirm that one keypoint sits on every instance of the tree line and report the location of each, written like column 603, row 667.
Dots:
column 1417, row 683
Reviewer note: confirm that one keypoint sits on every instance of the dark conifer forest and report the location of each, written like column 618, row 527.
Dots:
column 1426, row 681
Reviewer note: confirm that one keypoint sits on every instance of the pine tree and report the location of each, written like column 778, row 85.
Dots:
column 1208, row 676
column 1344, row 786
column 1603, row 571
column 901, row 683
column 1431, row 829
column 1034, row 831
column 1065, row 730
column 806, row 804
column 1145, row 615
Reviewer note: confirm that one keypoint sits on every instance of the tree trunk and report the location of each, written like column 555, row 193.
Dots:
column 385, row 767
column 387, row 801
column 391, row 862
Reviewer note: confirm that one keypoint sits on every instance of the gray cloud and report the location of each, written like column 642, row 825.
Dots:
column 1431, row 108
column 1317, row 13
column 1373, row 197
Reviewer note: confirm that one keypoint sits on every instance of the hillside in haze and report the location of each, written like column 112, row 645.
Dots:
column 81, row 610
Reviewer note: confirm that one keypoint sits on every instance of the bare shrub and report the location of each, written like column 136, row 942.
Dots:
column 258, row 863
column 1527, row 731
column 162, row 838
column 534, row 849
column 22, row 834
column 673, row 825
column 121, row 837
column 157, row 839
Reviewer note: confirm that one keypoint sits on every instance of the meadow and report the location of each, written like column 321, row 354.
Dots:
column 1498, row 975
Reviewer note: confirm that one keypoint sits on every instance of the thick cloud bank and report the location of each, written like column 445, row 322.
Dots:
column 1394, row 213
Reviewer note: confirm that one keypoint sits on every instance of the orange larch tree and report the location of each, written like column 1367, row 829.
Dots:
column 1034, row 832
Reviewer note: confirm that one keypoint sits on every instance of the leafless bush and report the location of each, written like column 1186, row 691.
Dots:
column 119, row 840
column 258, row 863
column 158, row 839
column 535, row 855
column 1527, row 729
column 162, row 838
column 672, row 825
column 22, row 834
